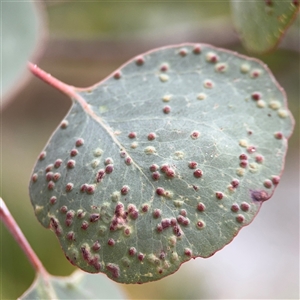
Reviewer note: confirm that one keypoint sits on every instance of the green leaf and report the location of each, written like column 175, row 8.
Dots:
column 163, row 161
column 261, row 24
column 20, row 32
column 79, row 285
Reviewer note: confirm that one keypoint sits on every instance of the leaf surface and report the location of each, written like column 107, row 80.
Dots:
column 79, row 285
column 19, row 39
column 261, row 24
column 163, row 161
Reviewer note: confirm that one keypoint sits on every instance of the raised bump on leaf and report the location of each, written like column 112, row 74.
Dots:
column 154, row 203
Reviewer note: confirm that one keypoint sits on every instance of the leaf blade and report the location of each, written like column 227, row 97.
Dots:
column 116, row 216
column 78, row 285
column 20, row 41
column 261, row 24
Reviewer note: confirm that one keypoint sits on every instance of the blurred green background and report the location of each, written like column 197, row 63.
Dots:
column 87, row 41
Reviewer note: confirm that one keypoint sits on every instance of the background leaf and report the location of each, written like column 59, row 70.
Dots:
column 22, row 29
column 79, row 285
column 165, row 160
column 261, row 24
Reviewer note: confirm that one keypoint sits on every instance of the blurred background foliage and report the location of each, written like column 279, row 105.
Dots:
column 87, row 41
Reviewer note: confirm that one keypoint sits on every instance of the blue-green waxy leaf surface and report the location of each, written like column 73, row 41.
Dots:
column 261, row 24
column 21, row 29
column 163, row 161
column 79, row 285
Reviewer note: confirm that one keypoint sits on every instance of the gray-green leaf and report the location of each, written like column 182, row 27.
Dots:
column 21, row 28
column 261, row 24
column 164, row 161
column 79, row 285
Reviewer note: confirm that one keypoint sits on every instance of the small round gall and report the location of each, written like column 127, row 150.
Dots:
column 198, row 173
column 111, row 242
column 57, row 163
column 268, row 183
column 245, row 206
column 160, row 191
column 125, row 190
column 140, row 60
column 153, row 168
column 240, row 218
column 201, row 207
column 192, row 165
column 132, row 135
column 156, row 213
column 109, row 169
column 79, row 142
column 155, row 175
column 42, row 155
column 275, row 179
column 256, row 96
column 167, row 109
column 73, row 152
column 235, row 207
column 151, row 136
column 219, row 195
column 69, row 187
column 71, row 164
column 195, row 135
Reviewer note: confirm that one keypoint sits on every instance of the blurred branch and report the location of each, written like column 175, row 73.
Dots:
column 18, row 235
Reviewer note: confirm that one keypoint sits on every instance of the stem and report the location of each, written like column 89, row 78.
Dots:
column 64, row 88
column 16, row 232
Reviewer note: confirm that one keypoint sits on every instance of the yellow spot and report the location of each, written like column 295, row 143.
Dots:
column 174, row 257
column 230, row 188
column 253, row 167
column 275, row 105
column 115, row 196
column 240, row 171
column 168, row 194
column 150, row 150
column 282, row 113
column 172, row 241
column 38, row 209
column 103, row 109
column 179, row 155
column 98, row 152
column 245, row 68
column 261, row 103
column 243, row 143
column 201, row 96
column 153, row 259
column 167, row 98
column 163, row 77
column 95, row 163
column 178, row 203
column 134, row 145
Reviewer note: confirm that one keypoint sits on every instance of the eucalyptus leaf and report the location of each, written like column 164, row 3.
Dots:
column 163, row 161
column 21, row 30
column 79, row 285
column 261, row 24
